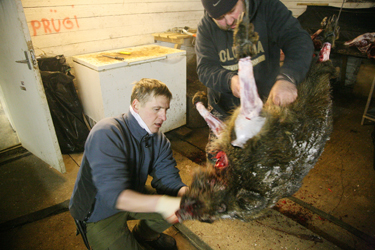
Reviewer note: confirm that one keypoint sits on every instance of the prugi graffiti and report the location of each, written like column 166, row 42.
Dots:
column 46, row 26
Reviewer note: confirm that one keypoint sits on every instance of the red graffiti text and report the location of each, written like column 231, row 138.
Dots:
column 53, row 26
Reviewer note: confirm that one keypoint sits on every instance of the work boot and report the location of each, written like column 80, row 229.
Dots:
column 163, row 242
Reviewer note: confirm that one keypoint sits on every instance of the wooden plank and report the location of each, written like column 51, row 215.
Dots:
column 38, row 215
column 369, row 239
column 95, row 46
column 167, row 34
column 176, row 19
column 173, row 35
column 169, row 40
column 13, row 153
column 192, row 237
column 81, row 36
column 309, row 1
column 294, row 4
column 179, row 36
column 74, row 27
column 43, row 3
column 60, row 12
column 313, row 4
column 160, row 22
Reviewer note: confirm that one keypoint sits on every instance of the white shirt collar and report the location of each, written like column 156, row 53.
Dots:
column 139, row 120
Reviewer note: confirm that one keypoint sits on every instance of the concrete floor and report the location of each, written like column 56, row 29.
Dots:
column 334, row 209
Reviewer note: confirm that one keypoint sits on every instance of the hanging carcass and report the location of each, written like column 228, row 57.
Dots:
column 262, row 152
column 365, row 43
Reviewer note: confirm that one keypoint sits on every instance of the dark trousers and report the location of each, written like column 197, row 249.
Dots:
column 113, row 233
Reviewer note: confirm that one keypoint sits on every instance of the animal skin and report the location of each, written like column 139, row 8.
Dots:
column 328, row 32
column 364, row 43
column 241, row 182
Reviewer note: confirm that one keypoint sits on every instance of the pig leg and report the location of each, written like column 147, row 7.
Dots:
column 364, row 43
column 362, row 40
column 248, row 122
column 251, row 104
column 213, row 123
column 325, row 52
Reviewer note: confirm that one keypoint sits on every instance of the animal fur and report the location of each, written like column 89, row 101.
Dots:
column 273, row 163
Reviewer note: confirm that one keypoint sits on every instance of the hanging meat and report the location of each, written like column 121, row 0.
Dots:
column 263, row 152
column 364, row 43
column 329, row 32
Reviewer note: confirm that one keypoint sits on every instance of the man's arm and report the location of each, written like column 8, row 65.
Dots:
column 132, row 201
column 235, row 86
column 105, row 154
column 297, row 48
column 293, row 40
column 113, row 182
column 182, row 191
column 209, row 69
column 165, row 176
column 283, row 93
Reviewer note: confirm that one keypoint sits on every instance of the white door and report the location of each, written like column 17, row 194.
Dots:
column 22, row 87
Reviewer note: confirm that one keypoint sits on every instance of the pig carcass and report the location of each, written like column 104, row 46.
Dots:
column 262, row 152
column 364, row 43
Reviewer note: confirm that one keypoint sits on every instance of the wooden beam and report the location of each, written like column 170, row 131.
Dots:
column 314, row 4
column 169, row 40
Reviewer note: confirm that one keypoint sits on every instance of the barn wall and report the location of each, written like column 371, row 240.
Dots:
column 299, row 6
column 73, row 27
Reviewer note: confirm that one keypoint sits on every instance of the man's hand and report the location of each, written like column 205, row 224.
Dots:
column 283, row 93
column 235, row 86
column 167, row 206
column 182, row 191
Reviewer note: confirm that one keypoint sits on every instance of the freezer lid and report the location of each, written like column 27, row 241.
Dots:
column 104, row 60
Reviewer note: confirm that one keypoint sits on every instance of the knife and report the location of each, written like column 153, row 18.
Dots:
column 114, row 57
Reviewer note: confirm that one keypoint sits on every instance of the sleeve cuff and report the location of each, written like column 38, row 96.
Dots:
column 286, row 77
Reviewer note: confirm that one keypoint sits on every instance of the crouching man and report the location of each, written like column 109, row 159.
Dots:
column 120, row 153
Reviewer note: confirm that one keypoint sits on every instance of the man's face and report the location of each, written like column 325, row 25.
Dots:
column 229, row 20
column 153, row 112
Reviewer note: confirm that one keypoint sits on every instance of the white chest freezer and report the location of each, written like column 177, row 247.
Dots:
column 105, row 84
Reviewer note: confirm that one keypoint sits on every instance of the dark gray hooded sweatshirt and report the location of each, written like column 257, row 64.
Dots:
column 277, row 29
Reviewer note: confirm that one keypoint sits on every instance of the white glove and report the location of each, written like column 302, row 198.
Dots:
column 167, row 207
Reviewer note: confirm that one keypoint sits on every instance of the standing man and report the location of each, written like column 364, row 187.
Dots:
column 120, row 152
column 217, row 65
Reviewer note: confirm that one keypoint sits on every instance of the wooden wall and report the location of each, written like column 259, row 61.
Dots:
column 73, row 27
column 299, row 6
